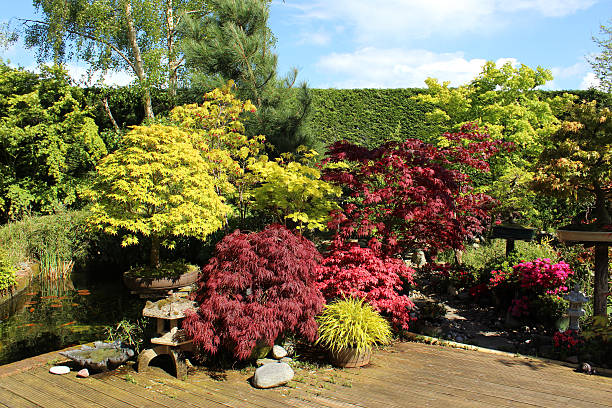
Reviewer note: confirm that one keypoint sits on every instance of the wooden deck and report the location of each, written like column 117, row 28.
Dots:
column 405, row 375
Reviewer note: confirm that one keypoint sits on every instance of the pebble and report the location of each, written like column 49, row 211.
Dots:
column 59, row 370
column 84, row 373
column 278, row 352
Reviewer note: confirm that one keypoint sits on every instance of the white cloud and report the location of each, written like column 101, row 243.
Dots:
column 589, row 81
column 396, row 68
column 548, row 8
column 395, row 21
column 79, row 74
column 318, row 38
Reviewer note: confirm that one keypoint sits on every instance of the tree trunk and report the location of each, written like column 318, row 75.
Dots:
column 138, row 64
column 601, row 210
column 155, row 244
column 172, row 63
column 600, row 286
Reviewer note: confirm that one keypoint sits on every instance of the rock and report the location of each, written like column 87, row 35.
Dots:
column 272, row 375
column 84, row 373
column 286, row 360
column 262, row 361
column 59, row 370
column 459, row 339
column 278, row 352
column 418, row 258
column 452, row 291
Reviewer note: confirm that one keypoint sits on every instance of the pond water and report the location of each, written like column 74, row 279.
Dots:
column 48, row 316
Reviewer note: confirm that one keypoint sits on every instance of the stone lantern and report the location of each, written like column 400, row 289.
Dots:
column 575, row 310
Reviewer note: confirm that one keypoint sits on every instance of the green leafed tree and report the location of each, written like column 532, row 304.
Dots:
column 49, row 142
column 139, row 37
column 292, row 191
column 505, row 101
column 157, row 185
column 602, row 62
column 234, row 42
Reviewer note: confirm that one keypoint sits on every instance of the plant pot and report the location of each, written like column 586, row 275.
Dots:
column 144, row 284
column 584, row 236
column 350, row 357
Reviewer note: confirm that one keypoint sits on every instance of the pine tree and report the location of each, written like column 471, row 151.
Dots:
column 234, row 42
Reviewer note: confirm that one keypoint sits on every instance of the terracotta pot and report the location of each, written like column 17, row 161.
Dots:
column 584, row 236
column 148, row 284
column 350, row 358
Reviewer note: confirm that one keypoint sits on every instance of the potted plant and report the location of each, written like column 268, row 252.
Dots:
column 349, row 328
column 578, row 164
column 158, row 186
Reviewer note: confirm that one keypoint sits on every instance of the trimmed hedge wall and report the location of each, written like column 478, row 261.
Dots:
column 363, row 116
column 367, row 116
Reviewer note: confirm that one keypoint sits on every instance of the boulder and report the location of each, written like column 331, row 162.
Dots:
column 272, row 375
column 264, row 361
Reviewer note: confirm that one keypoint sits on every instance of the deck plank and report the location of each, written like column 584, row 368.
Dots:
column 404, row 375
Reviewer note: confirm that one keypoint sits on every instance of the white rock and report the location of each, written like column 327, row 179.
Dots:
column 278, row 352
column 59, row 370
column 286, row 360
column 272, row 375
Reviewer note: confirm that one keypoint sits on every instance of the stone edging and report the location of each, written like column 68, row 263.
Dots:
column 433, row 340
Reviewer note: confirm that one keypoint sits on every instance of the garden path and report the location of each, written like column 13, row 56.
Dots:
column 404, row 375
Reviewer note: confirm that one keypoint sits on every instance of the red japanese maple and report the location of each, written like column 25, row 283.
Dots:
column 257, row 287
column 412, row 194
column 358, row 272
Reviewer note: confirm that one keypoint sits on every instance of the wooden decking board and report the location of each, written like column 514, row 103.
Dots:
column 486, row 386
column 60, row 393
column 405, row 375
column 44, row 398
column 82, row 386
column 13, row 400
column 228, row 394
column 215, row 397
column 513, row 370
column 513, row 379
column 165, row 400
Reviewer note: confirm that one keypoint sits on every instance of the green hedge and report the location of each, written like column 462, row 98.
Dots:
column 363, row 116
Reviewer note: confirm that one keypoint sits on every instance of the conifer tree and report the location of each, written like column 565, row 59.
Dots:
column 234, row 42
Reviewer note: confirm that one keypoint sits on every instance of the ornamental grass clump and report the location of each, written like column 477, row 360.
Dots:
column 352, row 323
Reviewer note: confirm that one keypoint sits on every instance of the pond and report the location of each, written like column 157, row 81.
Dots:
column 48, row 316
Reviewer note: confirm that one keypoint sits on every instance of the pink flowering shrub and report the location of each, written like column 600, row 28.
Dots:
column 526, row 281
column 358, row 272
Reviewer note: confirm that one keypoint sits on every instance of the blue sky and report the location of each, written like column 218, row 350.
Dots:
column 399, row 43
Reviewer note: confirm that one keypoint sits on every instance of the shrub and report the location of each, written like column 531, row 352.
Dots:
column 257, row 287
column 352, row 323
column 528, row 284
column 358, row 272
column 61, row 235
column 157, row 185
column 412, row 194
column 7, row 275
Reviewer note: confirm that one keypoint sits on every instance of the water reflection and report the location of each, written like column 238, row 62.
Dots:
column 50, row 315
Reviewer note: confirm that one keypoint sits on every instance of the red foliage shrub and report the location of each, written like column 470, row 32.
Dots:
column 358, row 272
column 257, row 287
column 412, row 194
